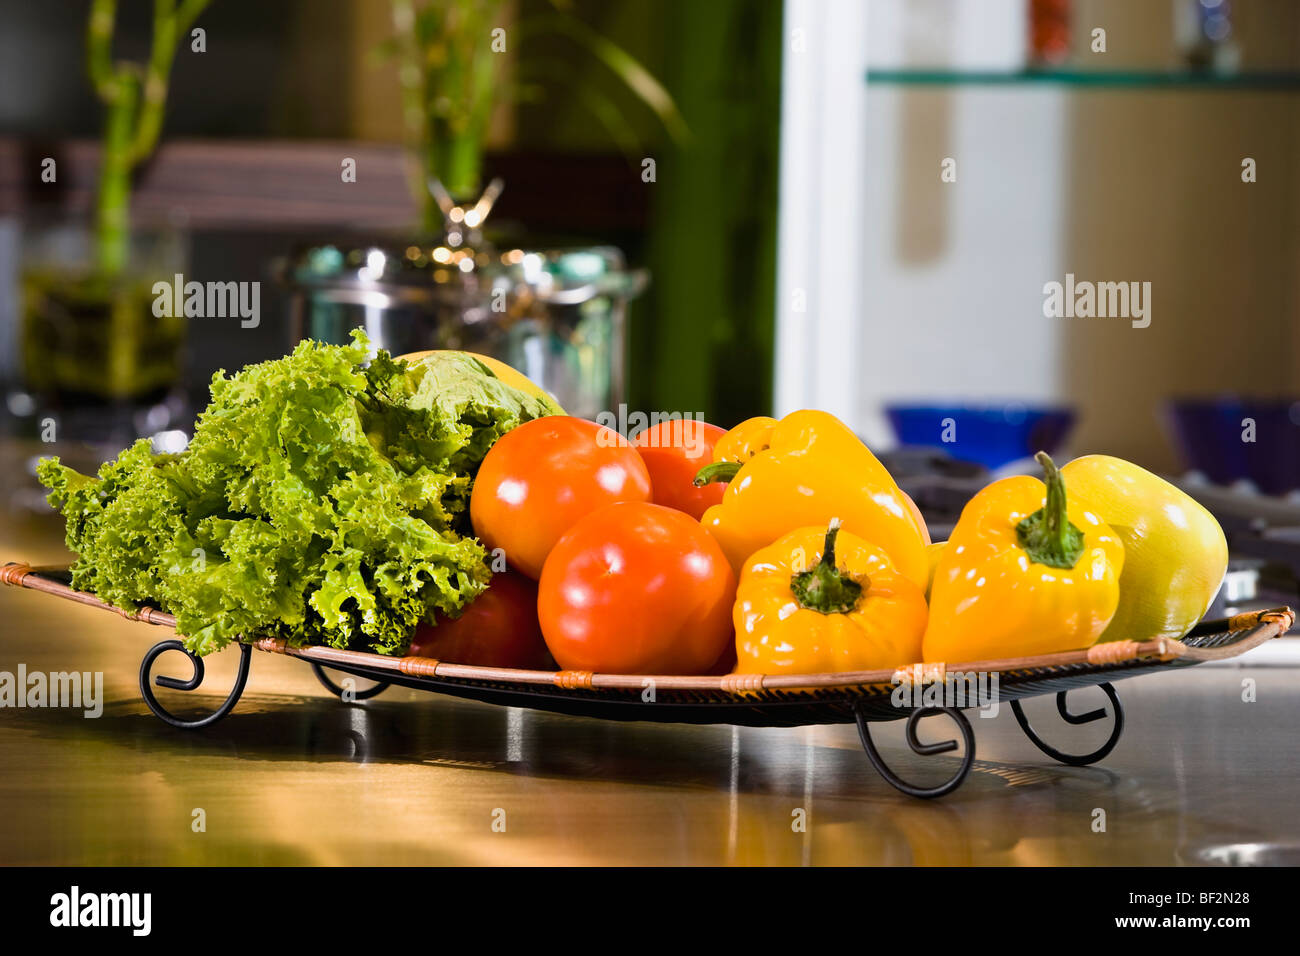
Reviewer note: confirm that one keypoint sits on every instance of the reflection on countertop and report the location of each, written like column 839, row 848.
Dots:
column 293, row 776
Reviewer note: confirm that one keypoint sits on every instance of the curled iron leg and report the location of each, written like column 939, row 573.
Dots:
column 337, row 691
column 1076, row 760
column 925, row 750
column 174, row 683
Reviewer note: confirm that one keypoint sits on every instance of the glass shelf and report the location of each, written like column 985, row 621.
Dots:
column 1269, row 81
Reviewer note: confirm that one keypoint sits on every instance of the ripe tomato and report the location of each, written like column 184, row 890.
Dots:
column 540, row 478
column 498, row 629
column 673, row 451
column 637, row 588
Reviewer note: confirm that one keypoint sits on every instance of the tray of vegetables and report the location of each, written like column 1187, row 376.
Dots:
column 436, row 521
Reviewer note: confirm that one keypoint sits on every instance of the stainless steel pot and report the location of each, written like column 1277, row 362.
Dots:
column 557, row 315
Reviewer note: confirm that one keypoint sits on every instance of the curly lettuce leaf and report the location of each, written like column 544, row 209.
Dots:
column 322, row 500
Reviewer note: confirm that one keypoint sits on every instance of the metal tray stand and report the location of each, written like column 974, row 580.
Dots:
column 785, row 700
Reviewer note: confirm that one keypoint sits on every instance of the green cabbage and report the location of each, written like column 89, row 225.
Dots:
column 322, row 500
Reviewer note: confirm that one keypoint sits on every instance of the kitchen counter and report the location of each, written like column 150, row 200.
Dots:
column 293, row 776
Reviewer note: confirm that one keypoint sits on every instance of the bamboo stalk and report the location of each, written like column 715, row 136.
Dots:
column 113, row 201
column 134, row 98
column 411, row 78
column 99, row 48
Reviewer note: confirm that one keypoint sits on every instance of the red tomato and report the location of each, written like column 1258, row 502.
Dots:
column 498, row 629
column 637, row 588
column 540, row 478
column 726, row 663
column 673, row 451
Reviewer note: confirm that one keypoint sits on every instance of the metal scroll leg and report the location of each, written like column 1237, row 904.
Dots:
column 1076, row 760
column 161, row 712
column 337, row 691
column 925, row 750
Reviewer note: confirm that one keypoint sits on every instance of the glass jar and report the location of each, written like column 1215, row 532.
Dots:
column 92, row 356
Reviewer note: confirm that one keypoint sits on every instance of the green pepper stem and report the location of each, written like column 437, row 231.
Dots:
column 1047, row 535
column 1056, row 521
column 825, row 588
column 718, row 471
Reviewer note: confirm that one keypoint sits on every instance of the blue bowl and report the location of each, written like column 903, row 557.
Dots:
column 1213, row 436
column 992, row 435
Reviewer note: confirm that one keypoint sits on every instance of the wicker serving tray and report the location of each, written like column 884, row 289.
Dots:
column 783, row 700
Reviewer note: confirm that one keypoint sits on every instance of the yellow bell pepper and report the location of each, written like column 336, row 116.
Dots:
column 1175, row 554
column 802, row 471
column 1024, row 572
column 850, row 611
column 745, row 440
column 933, row 552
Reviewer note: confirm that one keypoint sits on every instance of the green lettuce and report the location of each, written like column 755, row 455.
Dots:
column 322, row 500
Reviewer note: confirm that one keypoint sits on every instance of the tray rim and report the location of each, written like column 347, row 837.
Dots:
column 1259, row 625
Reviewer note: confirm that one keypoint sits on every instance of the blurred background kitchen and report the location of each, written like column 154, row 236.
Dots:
column 728, row 208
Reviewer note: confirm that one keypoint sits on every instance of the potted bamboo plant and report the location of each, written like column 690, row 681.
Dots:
column 89, row 335
column 452, row 76
column 555, row 314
